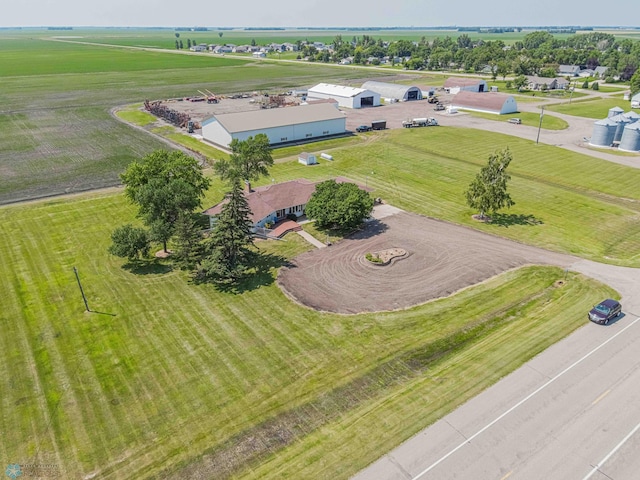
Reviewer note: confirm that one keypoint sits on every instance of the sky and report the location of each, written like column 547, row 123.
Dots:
column 319, row 13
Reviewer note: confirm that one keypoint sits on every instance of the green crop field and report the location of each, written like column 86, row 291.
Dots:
column 57, row 133
column 169, row 379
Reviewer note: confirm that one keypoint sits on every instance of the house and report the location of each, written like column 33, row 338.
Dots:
column 271, row 203
column 587, row 72
column 497, row 103
column 222, row 49
column 457, row 84
column 291, row 47
column 569, row 70
column 259, row 55
column 601, row 72
column 545, row 83
column 199, row 48
column 635, row 101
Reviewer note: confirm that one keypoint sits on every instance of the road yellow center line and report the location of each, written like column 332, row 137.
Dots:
column 601, row 397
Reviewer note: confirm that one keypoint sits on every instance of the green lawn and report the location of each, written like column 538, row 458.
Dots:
column 165, row 372
column 591, row 108
column 549, row 122
column 572, row 200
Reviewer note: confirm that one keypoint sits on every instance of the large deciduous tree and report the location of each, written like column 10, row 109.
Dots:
column 164, row 185
column 250, row 159
column 488, row 191
column 339, row 205
column 634, row 83
column 228, row 248
column 130, row 242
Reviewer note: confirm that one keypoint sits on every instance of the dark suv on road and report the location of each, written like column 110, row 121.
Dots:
column 605, row 311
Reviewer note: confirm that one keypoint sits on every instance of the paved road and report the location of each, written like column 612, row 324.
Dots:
column 573, row 412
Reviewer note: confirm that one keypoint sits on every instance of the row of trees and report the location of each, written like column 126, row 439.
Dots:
column 537, row 53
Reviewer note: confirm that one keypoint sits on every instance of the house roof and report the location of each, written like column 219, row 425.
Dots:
column 277, row 196
column 490, row 101
column 389, row 90
column 569, row 68
column 276, row 117
column 337, row 90
column 462, row 82
column 269, row 198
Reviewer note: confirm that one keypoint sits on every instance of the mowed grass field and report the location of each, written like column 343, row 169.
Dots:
column 56, row 130
column 167, row 379
column 596, row 108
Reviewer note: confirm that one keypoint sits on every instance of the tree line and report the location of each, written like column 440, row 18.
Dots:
column 538, row 53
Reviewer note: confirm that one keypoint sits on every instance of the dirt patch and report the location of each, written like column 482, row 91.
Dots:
column 443, row 258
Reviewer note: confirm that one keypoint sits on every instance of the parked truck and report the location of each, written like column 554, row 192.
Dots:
column 420, row 122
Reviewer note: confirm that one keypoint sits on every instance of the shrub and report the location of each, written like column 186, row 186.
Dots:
column 292, row 216
column 373, row 258
column 595, row 86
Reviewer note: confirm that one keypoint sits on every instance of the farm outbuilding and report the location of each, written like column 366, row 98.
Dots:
column 455, row 85
column 281, row 125
column 349, row 97
column 402, row 93
column 498, row 103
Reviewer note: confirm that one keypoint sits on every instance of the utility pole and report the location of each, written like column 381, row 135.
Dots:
column 540, row 125
column 86, row 305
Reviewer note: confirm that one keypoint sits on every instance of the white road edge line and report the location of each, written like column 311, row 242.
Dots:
column 616, row 448
column 525, row 399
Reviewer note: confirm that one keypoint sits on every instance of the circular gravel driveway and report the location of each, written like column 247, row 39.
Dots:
column 442, row 259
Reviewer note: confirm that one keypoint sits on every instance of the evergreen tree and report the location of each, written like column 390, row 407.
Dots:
column 488, row 191
column 228, row 249
column 187, row 242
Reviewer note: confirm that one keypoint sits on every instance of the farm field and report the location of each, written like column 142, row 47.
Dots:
column 58, row 135
column 167, row 379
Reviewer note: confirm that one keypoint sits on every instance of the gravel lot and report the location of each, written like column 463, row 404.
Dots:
column 442, row 259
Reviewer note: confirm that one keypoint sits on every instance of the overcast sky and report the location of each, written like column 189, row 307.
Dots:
column 314, row 13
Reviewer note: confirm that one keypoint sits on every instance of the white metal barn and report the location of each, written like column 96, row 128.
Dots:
column 349, row 97
column 281, row 125
column 403, row 93
column 464, row 84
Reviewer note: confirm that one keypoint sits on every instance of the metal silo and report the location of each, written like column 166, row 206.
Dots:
column 631, row 138
column 622, row 122
column 604, row 132
column 633, row 116
column 615, row 111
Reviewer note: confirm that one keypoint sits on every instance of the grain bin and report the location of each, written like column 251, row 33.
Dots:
column 604, row 132
column 622, row 122
column 614, row 111
column 633, row 116
column 630, row 141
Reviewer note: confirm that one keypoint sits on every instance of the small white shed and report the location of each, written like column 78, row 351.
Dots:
column 307, row 159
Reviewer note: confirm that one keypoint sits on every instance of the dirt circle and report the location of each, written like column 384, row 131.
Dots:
column 443, row 259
